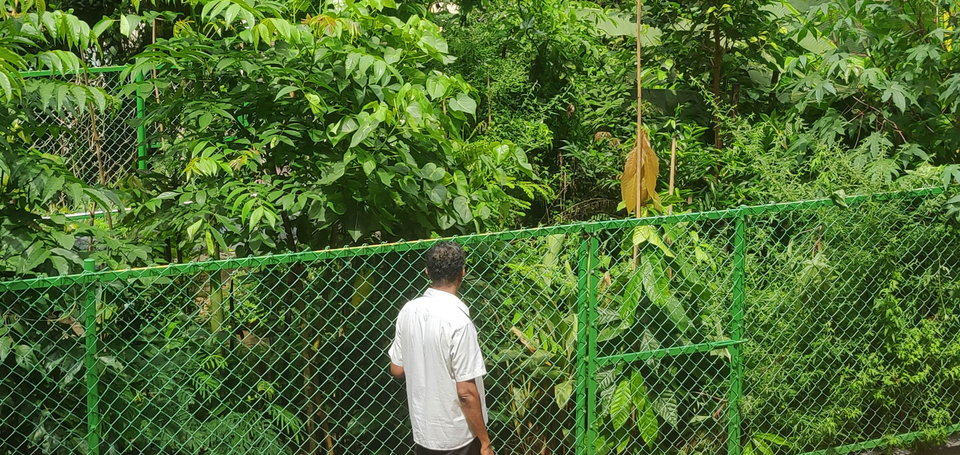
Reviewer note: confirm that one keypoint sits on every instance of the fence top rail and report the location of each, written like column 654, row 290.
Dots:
column 95, row 70
column 366, row 250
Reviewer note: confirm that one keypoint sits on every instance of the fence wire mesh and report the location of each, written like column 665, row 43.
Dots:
column 852, row 322
column 849, row 335
column 99, row 149
column 663, row 287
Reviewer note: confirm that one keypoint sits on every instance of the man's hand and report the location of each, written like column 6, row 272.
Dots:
column 396, row 371
column 486, row 450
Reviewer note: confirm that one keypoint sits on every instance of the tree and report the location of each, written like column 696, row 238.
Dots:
column 316, row 131
column 888, row 88
column 33, row 180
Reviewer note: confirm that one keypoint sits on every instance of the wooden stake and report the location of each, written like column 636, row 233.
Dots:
column 673, row 168
column 717, row 62
column 99, row 151
column 489, row 105
column 639, row 90
column 95, row 138
column 93, row 219
column 156, row 90
column 639, row 185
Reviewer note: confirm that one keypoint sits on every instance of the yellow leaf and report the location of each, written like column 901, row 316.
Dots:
column 362, row 286
column 650, row 167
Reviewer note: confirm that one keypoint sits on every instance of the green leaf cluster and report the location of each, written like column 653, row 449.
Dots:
column 279, row 135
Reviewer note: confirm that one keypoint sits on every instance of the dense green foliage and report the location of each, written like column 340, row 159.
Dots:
column 324, row 128
column 734, row 82
column 274, row 117
column 871, row 344
column 32, row 182
column 844, row 342
column 279, row 127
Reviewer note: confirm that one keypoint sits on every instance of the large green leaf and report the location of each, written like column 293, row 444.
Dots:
column 462, row 208
column 667, row 408
column 563, row 392
column 621, row 404
column 647, row 424
column 35, row 255
column 643, row 234
column 657, row 286
column 433, row 43
column 353, row 59
column 333, row 173
column 414, row 114
column 769, row 437
column 365, row 62
column 632, row 294
column 367, row 125
column 432, row 172
column 638, row 392
column 437, row 193
column 316, row 104
column 6, row 86
column 437, row 86
column 463, row 103
column 25, row 356
column 6, row 345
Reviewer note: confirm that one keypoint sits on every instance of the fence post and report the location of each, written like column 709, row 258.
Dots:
column 141, row 129
column 90, row 361
column 736, row 334
column 583, row 264
column 591, row 282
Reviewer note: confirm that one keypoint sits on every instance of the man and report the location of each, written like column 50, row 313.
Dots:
column 436, row 350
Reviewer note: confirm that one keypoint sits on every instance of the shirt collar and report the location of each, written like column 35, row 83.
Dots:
column 436, row 293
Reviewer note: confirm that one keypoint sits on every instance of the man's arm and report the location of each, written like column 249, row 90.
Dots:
column 397, row 371
column 472, row 409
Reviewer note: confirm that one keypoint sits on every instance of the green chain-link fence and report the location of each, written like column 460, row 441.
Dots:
column 100, row 148
column 777, row 329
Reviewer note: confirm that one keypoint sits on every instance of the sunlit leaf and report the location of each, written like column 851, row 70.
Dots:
column 620, row 405
column 563, row 392
column 463, row 103
column 647, row 424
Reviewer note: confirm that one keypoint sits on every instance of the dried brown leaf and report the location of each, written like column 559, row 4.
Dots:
column 650, row 169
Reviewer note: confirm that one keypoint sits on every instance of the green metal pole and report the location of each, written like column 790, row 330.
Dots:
column 90, row 362
column 736, row 334
column 47, row 73
column 592, row 347
column 141, row 130
column 583, row 273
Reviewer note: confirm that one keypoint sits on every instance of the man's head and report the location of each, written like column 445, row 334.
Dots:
column 445, row 263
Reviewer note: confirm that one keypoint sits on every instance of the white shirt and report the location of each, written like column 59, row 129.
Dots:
column 436, row 344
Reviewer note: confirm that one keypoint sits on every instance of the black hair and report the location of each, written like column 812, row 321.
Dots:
column 445, row 261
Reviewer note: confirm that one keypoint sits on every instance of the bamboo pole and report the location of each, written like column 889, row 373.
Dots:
column 99, row 152
column 639, row 184
column 489, row 104
column 673, row 168
column 717, row 62
column 156, row 90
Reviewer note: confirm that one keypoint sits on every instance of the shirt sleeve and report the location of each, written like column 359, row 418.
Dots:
column 396, row 352
column 466, row 358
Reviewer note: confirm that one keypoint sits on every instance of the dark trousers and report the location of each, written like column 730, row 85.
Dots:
column 470, row 449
